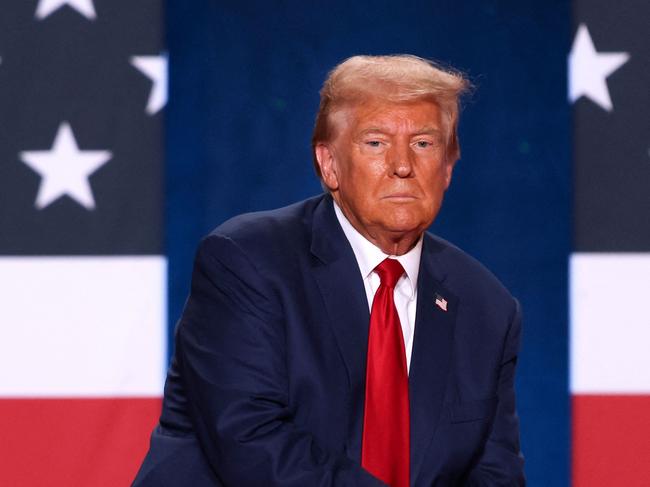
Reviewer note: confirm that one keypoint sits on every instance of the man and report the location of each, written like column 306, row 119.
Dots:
column 336, row 343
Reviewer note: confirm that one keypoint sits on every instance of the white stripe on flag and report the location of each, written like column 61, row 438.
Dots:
column 82, row 326
column 610, row 323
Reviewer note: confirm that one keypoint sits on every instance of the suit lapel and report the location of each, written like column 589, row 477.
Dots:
column 341, row 287
column 432, row 347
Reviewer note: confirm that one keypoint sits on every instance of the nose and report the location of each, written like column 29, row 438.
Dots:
column 401, row 160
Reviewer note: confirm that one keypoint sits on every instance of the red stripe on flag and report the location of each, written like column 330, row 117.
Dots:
column 611, row 441
column 74, row 442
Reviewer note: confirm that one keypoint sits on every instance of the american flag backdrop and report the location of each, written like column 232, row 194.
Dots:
column 609, row 86
column 82, row 271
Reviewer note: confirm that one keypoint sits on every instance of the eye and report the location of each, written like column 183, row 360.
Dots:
column 423, row 144
column 373, row 143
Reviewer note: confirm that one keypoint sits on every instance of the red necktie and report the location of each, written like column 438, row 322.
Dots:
column 385, row 449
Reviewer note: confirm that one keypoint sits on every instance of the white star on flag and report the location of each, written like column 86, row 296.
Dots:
column 155, row 68
column 589, row 69
column 65, row 169
column 84, row 7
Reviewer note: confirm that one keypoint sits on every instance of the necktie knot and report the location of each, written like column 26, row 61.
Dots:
column 389, row 270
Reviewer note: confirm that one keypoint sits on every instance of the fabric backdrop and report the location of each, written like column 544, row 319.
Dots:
column 244, row 81
column 106, row 189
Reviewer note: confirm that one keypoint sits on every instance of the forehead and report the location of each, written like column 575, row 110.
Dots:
column 389, row 116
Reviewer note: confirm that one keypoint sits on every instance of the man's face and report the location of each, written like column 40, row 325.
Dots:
column 386, row 167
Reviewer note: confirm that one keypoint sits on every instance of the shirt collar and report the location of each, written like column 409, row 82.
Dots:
column 369, row 256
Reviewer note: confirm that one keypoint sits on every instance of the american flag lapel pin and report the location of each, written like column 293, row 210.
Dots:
column 441, row 302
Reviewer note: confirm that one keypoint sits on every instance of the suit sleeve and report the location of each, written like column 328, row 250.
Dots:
column 231, row 347
column 501, row 463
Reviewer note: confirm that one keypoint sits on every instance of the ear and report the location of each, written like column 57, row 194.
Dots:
column 327, row 164
column 449, row 169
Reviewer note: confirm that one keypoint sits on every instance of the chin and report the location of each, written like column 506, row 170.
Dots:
column 405, row 225
column 407, row 220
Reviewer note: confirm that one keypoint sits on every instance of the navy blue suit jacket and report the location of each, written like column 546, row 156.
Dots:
column 267, row 382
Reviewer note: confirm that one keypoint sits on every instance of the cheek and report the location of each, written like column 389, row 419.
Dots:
column 363, row 176
column 367, row 169
column 434, row 197
column 439, row 181
column 375, row 165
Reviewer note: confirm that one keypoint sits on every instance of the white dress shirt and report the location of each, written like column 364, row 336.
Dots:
column 368, row 257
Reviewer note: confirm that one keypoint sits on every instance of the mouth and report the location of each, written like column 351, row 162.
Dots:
column 400, row 197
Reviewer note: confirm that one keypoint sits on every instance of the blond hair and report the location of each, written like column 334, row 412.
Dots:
column 396, row 78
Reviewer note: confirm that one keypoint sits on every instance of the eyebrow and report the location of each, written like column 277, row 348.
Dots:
column 372, row 130
column 427, row 130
